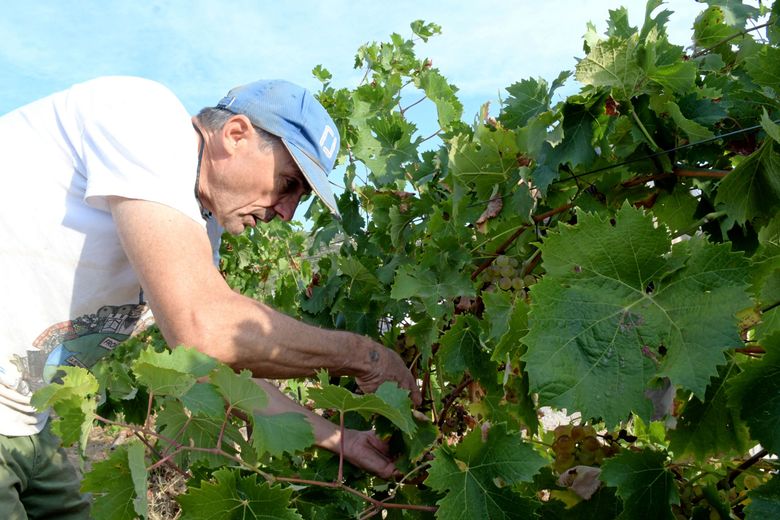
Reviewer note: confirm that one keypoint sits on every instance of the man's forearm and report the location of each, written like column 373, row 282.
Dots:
column 250, row 335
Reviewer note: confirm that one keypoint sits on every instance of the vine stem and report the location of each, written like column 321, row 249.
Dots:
column 340, row 477
column 404, row 109
column 372, row 510
column 677, row 172
column 222, row 428
column 736, row 35
column 769, row 307
column 750, row 350
column 149, row 409
column 745, row 465
column 709, row 217
column 644, row 131
column 508, row 242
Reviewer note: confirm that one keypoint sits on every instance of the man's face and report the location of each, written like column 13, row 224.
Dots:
column 257, row 185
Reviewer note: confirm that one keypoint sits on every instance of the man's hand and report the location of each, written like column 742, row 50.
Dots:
column 385, row 365
column 366, row 451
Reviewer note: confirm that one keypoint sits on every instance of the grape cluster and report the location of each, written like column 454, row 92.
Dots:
column 579, row 445
column 505, row 272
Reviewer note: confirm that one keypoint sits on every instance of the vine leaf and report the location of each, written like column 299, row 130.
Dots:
column 231, row 496
column 413, row 281
column 770, row 127
column 171, row 372
column 752, row 189
column 756, row 393
column 764, row 67
column 646, row 488
column 118, row 484
column 766, row 277
column 764, row 501
column 435, row 86
column 476, row 476
column 486, row 162
column 204, row 399
column 710, row 427
column 461, row 350
column 614, row 63
column 709, row 31
column 577, row 145
column 388, row 401
column 527, row 99
column 616, row 309
column 286, row 432
column 73, row 399
column 239, row 390
column 695, row 132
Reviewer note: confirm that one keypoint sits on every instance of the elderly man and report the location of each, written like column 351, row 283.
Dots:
column 113, row 196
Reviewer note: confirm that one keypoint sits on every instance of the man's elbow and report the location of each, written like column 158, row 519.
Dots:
column 202, row 331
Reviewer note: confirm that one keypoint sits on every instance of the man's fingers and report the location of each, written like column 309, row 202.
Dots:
column 379, row 445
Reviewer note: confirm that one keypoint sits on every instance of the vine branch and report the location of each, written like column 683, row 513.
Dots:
column 508, row 242
column 733, row 36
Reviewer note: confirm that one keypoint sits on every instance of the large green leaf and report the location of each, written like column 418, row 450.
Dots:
column 286, row 432
column 617, row 309
column 239, row 390
column 461, row 350
column 645, row 486
column 756, row 394
column 484, row 161
column 388, row 401
column 477, row 476
column 710, row 31
column 577, row 146
column 231, row 496
column 613, row 63
column 438, row 90
column 764, row 501
column 527, row 99
column 711, row 427
column 417, row 282
column 171, row 372
column 118, row 484
column 73, row 398
column 752, row 189
column 764, row 67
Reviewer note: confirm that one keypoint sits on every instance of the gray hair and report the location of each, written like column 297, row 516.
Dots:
column 213, row 119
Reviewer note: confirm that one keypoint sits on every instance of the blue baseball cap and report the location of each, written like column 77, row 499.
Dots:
column 291, row 113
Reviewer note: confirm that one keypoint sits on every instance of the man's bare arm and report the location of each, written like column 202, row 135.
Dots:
column 194, row 306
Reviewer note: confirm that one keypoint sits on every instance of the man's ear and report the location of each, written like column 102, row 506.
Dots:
column 236, row 130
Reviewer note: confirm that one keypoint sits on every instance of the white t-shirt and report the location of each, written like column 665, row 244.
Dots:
column 69, row 292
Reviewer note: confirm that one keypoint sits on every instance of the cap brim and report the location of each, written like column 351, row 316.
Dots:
column 317, row 177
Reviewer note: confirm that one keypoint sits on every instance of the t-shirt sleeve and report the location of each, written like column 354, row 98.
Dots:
column 138, row 143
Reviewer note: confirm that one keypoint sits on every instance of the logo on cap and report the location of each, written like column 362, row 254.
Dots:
column 328, row 150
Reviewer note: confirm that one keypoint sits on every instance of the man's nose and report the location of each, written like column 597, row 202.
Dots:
column 286, row 208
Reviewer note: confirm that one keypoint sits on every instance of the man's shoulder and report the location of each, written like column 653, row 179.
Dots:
column 123, row 89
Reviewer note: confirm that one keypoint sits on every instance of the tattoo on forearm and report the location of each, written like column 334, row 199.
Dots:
column 373, row 355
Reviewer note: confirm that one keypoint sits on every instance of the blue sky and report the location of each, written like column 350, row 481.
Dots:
column 201, row 49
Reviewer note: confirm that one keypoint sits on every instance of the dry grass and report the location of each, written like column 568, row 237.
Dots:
column 165, row 484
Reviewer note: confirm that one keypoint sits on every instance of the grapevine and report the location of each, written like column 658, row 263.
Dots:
column 611, row 260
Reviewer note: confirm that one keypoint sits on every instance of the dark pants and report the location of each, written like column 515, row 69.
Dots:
column 37, row 481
